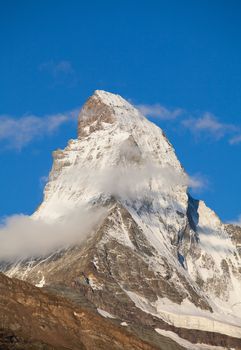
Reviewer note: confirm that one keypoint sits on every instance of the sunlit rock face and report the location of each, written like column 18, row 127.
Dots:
column 155, row 256
column 33, row 319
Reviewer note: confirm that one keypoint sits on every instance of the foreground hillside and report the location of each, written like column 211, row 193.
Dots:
column 31, row 318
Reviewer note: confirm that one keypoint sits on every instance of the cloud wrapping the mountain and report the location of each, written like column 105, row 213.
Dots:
column 26, row 236
column 132, row 182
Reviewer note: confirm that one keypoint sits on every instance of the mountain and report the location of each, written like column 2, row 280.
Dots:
column 135, row 244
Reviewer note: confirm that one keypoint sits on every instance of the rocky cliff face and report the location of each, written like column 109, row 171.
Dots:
column 155, row 257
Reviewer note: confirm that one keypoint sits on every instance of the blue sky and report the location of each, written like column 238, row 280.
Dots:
column 179, row 60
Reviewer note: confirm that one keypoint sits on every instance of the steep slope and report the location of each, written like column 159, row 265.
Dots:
column 34, row 319
column 153, row 256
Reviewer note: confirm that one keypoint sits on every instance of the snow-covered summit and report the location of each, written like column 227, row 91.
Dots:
column 111, row 99
column 112, row 136
column 105, row 110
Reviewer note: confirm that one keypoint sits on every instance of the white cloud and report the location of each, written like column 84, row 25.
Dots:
column 205, row 125
column 159, row 111
column 235, row 139
column 25, row 236
column 197, row 182
column 57, row 68
column 134, row 182
column 208, row 124
column 60, row 72
column 18, row 132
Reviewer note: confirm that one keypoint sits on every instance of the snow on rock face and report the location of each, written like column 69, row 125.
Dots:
column 188, row 315
column 186, row 344
column 207, row 217
column 123, row 154
column 214, row 263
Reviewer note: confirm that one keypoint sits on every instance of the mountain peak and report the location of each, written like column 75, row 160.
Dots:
column 112, row 135
column 104, row 109
column 110, row 99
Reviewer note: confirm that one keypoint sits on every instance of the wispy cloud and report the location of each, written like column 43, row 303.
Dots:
column 205, row 125
column 208, row 124
column 60, row 72
column 57, row 68
column 159, row 111
column 235, row 139
column 198, row 182
column 18, row 132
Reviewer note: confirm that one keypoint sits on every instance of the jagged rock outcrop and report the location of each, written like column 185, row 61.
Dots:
column 157, row 257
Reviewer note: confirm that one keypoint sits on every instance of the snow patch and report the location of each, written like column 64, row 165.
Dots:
column 187, row 315
column 41, row 283
column 105, row 313
column 185, row 343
